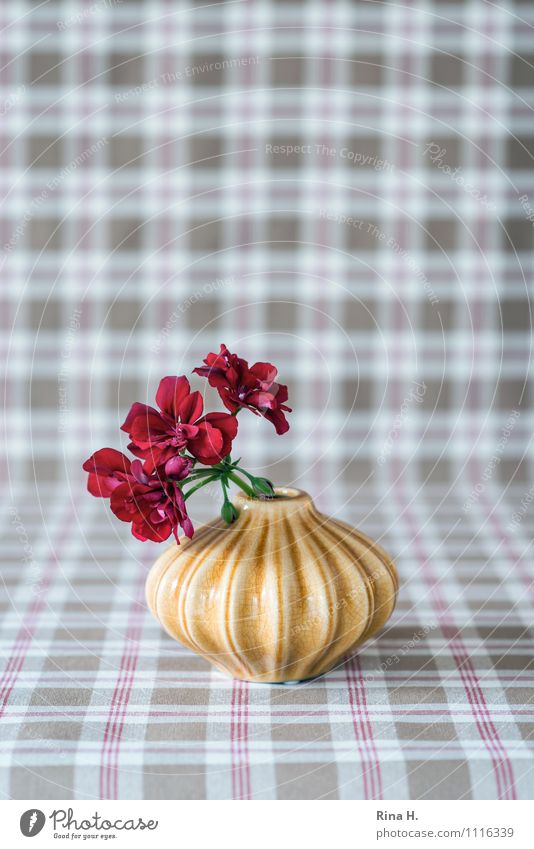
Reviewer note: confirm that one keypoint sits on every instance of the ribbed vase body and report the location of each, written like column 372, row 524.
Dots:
column 280, row 595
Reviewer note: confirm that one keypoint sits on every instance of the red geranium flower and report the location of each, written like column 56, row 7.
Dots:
column 158, row 436
column 107, row 469
column 169, row 442
column 252, row 387
column 154, row 504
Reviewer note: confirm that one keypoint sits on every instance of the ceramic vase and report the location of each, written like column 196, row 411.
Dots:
column 279, row 596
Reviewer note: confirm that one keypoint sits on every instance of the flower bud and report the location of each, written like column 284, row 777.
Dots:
column 263, row 487
column 229, row 512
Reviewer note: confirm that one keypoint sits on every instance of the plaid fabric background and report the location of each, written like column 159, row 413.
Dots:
column 345, row 189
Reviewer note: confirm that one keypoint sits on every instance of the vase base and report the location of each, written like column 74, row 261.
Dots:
column 296, row 680
column 291, row 683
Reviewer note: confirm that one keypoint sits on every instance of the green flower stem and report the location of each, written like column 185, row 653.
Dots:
column 244, row 472
column 202, row 483
column 224, row 471
column 255, row 481
column 241, row 484
column 218, row 467
column 228, row 511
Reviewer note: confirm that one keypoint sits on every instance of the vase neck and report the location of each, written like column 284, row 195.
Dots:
column 288, row 501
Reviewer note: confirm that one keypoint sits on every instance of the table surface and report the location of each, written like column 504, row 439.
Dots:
column 97, row 702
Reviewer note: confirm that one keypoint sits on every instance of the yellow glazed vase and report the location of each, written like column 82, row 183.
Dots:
column 280, row 595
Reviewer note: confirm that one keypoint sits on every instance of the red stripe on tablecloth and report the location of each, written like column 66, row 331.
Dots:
column 25, row 634
column 41, row 677
column 109, row 773
column 356, row 722
column 363, row 729
column 503, row 767
column 119, row 702
column 488, row 732
column 493, row 517
column 245, row 738
column 122, row 704
column 443, row 752
column 68, row 713
column 239, row 741
column 109, row 731
column 235, row 776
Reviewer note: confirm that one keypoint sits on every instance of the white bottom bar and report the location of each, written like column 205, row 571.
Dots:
column 264, row 825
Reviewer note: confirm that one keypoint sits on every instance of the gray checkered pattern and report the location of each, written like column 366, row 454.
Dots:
column 347, row 190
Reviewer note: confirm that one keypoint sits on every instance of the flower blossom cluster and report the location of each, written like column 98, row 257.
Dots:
column 178, row 449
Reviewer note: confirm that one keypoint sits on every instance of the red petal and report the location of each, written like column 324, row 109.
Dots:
column 261, row 400
column 119, row 500
column 279, row 391
column 171, row 393
column 138, row 472
column 229, row 402
column 155, row 455
column 191, row 408
column 148, row 428
column 265, row 373
column 187, row 527
column 208, row 445
column 278, row 419
column 227, row 425
column 143, row 530
column 107, row 470
column 106, row 461
column 223, row 422
column 136, row 409
column 216, row 377
column 178, row 467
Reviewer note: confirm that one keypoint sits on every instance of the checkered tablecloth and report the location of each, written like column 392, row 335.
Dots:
column 97, row 702
column 345, row 189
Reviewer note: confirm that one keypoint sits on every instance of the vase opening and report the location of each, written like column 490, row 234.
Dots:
column 286, row 497
column 283, row 493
